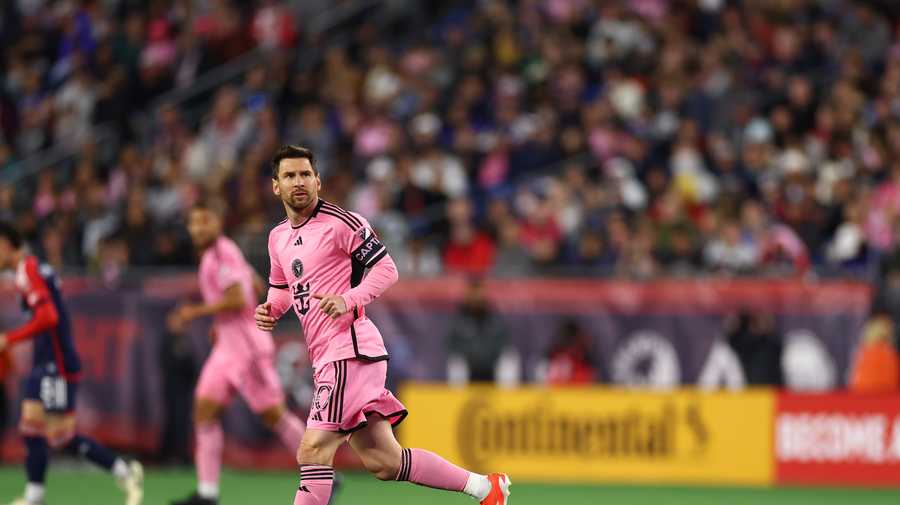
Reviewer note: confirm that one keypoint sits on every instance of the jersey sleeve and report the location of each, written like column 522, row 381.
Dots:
column 366, row 250
column 363, row 245
column 33, row 286
column 36, row 295
column 276, row 273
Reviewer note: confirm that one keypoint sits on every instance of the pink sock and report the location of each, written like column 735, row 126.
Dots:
column 428, row 469
column 315, row 485
column 210, row 443
column 290, row 430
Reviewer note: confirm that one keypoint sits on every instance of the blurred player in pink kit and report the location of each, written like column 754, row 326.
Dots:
column 242, row 359
column 328, row 264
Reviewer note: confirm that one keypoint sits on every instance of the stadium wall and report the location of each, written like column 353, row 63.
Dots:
column 748, row 437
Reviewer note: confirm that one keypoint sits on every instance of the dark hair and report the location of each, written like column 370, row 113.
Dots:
column 287, row 152
column 209, row 203
column 10, row 233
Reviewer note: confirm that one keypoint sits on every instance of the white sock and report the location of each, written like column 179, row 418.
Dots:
column 208, row 490
column 478, row 486
column 120, row 469
column 34, row 492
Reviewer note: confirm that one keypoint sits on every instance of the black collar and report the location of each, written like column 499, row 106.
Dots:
column 314, row 212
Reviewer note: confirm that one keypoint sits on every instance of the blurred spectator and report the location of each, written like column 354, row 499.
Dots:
column 97, row 221
column 876, row 367
column 112, row 261
column 758, row 347
column 569, row 359
column 677, row 250
column 729, row 252
column 273, row 26
column 418, row 258
column 806, row 363
column 476, row 338
column 469, row 251
column 511, row 258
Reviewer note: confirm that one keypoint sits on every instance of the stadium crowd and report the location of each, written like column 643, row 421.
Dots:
column 633, row 138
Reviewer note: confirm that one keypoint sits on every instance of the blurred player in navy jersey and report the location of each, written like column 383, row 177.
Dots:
column 48, row 407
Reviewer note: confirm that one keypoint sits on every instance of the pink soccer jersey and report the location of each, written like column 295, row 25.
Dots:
column 222, row 266
column 330, row 253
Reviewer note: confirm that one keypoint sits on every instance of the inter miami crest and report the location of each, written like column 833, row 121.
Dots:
column 297, row 267
column 323, row 395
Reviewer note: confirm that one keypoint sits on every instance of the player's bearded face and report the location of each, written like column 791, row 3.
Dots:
column 203, row 227
column 298, row 184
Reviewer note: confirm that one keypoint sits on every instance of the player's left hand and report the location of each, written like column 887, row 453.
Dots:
column 333, row 305
column 187, row 313
column 3, row 342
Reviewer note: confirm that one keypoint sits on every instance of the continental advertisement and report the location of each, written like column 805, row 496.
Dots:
column 838, row 439
column 596, row 434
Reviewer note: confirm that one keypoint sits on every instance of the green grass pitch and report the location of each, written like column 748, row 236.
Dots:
column 77, row 486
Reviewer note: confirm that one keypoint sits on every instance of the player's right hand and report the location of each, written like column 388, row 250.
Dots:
column 264, row 321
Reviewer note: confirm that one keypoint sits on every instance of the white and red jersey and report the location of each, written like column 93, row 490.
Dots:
column 332, row 252
column 222, row 266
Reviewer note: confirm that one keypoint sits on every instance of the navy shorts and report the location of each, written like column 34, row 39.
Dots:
column 51, row 389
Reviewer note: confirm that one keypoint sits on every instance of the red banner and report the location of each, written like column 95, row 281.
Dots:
column 837, row 439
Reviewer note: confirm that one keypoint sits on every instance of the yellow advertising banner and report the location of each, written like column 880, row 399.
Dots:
column 596, row 434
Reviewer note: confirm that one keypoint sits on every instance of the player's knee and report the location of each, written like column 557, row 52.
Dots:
column 31, row 427
column 310, row 451
column 314, row 451
column 60, row 431
column 33, row 422
column 206, row 411
column 271, row 416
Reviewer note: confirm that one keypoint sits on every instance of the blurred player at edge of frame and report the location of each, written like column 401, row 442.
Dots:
column 243, row 357
column 48, row 408
column 328, row 264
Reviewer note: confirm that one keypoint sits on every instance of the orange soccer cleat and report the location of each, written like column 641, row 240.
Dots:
column 499, row 494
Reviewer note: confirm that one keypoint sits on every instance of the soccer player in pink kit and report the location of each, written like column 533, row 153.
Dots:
column 328, row 264
column 242, row 358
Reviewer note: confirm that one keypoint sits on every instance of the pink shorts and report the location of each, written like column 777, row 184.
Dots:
column 255, row 379
column 347, row 392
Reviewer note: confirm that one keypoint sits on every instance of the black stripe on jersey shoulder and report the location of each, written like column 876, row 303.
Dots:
column 347, row 213
column 343, row 211
column 342, row 218
column 278, row 286
column 347, row 219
